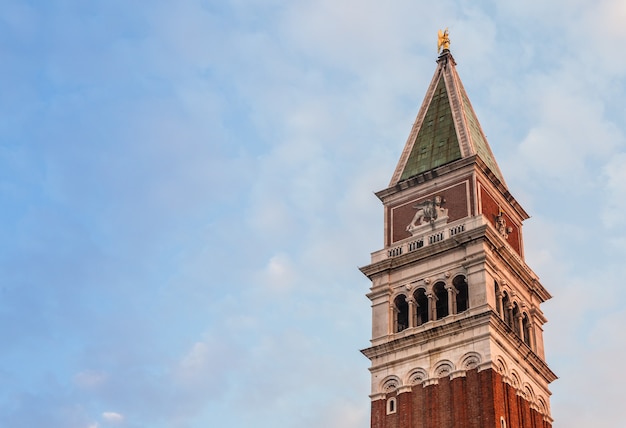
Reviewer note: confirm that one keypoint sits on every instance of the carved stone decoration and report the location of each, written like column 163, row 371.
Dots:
column 443, row 369
column 429, row 213
column 390, row 385
column 501, row 226
column 515, row 381
column 417, row 377
column 541, row 403
column 528, row 393
column 500, row 366
column 471, row 361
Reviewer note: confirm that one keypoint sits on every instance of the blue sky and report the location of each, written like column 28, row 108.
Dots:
column 187, row 192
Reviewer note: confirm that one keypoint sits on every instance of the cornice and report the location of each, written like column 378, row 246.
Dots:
column 522, row 349
column 504, row 336
column 422, row 254
column 430, row 334
column 425, row 177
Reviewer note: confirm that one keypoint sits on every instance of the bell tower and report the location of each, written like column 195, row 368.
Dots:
column 456, row 320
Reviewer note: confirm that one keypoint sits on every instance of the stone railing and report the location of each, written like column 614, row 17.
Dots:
column 429, row 237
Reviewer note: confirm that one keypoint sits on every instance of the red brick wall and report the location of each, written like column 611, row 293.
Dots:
column 378, row 413
column 477, row 400
column 490, row 210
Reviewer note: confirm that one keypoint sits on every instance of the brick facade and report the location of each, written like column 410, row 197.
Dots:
column 478, row 400
column 490, row 209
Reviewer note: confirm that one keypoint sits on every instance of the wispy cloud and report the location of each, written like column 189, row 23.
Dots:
column 187, row 192
column 112, row 417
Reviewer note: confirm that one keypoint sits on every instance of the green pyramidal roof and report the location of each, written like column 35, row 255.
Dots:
column 436, row 143
column 446, row 128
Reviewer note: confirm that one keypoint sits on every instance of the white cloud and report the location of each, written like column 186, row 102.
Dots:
column 271, row 142
column 279, row 273
column 112, row 417
column 570, row 133
column 196, row 358
column 592, row 363
column 89, row 379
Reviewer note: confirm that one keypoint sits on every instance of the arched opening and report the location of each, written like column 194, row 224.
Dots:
column 402, row 313
column 515, row 320
column 441, row 298
column 462, row 296
column 391, row 405
column 496, row 290
column 421, row 301
column 506, row 306
column 527, row 330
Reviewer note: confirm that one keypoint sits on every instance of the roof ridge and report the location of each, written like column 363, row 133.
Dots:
column 417, row 124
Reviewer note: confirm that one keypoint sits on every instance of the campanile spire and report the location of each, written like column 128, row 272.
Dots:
column 446, row 128
column 457, row 328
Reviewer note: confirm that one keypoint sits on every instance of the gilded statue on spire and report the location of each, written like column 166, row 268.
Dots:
column 443, row 41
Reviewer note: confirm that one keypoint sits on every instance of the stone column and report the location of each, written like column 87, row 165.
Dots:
column 520, row 324
column 392, row 318
column 451, row 299
column 432, row 307
column 531, row 334
column 509, row 315
column 412, row 312
column 499, row 307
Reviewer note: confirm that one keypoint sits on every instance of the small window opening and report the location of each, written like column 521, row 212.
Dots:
column 391, row 406
column 502, row 422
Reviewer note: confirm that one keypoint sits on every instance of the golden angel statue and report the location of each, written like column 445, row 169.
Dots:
column 443, row 41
